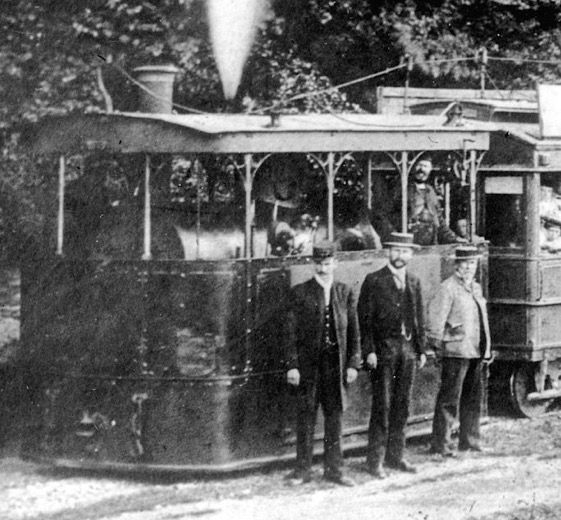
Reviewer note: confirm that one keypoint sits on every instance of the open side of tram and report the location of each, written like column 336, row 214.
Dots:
column 153, row 314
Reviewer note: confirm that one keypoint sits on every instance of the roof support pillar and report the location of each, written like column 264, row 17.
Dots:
column 147, row 254
column 330, row 194
column 248, row 187
column 404, row 172
column 60, row 216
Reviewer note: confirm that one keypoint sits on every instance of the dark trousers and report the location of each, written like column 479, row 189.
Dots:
column 391, row 394
column 461, row 387
column 324, row 391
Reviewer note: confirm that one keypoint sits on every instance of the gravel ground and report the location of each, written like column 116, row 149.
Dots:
column 517, row 478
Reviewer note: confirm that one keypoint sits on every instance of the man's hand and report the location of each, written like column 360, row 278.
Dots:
column 422, row 361
column 293, row 377
column 352, row 374
column 490, row 359
column 372, row 361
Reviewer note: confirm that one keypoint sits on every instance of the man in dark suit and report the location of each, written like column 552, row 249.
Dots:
column 424, row 210
column 323, row 356
column 390, row 310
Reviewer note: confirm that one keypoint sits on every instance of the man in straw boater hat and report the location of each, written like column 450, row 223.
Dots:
column 323, row 356
column 390, row 310
column 458, row 328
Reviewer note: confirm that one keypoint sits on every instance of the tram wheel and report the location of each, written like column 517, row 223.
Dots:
column 522, row 382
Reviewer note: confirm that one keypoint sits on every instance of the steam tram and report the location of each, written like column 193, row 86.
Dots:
column 153, row 312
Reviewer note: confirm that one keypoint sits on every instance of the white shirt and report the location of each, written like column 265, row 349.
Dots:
column 326, row 284
column 398, row 276
column 399, row 279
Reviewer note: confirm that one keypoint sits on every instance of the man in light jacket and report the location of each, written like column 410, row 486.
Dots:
column 458, row 328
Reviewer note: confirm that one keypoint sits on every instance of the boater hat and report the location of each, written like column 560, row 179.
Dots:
column 550, row 222
column 324, row 249
column 466, row 253
column 401, row 240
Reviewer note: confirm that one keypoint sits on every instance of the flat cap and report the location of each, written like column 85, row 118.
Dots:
column 324, row 249
column 466, row 253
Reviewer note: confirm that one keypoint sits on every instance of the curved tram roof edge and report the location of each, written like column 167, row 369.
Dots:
column 238, row 133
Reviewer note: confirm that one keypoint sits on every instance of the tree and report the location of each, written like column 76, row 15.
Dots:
column 353, row 38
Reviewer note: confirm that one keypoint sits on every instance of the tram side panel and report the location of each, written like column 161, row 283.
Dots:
column 199, row 380
column 269, row 403
column 80, row 337
column 138, row 365
column 196, row 314
column 524, row 308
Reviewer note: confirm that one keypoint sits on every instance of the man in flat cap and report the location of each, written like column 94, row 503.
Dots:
column 458, row 328
column 323, row 356
column 390, row 309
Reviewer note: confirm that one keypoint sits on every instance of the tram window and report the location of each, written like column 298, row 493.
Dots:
column 290, row 201
column 437, row 195
column 550, row 215
column 353, row 227
column 504, row 221
column 103, row 209
column 292, row 205
column 206, row 198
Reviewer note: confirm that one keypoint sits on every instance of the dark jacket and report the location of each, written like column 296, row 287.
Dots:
column 379, row 309
column 425, row 217
column 305, row 328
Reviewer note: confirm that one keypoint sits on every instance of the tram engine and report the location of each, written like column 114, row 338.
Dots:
column 153, row 312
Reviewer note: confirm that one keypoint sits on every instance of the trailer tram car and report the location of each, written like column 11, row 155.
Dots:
column 521, row 177
column 155, row 320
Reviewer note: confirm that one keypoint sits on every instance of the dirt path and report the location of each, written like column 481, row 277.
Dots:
column 518, row 478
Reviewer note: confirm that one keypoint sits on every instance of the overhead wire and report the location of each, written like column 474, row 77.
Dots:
column 525, row 60
column 304, row 95
column 495, row 86
column 333, row 88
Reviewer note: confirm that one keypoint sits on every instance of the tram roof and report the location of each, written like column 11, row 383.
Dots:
column 238, row 133
column 530, row 134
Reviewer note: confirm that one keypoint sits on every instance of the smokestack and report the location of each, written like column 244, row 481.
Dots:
column 158, row 81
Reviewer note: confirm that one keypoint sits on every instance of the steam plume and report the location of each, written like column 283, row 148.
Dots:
column 232, row 29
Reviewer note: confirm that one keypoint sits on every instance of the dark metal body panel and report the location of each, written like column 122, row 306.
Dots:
column 200, row 378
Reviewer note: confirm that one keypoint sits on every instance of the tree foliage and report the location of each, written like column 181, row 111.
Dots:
column 352, row 38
